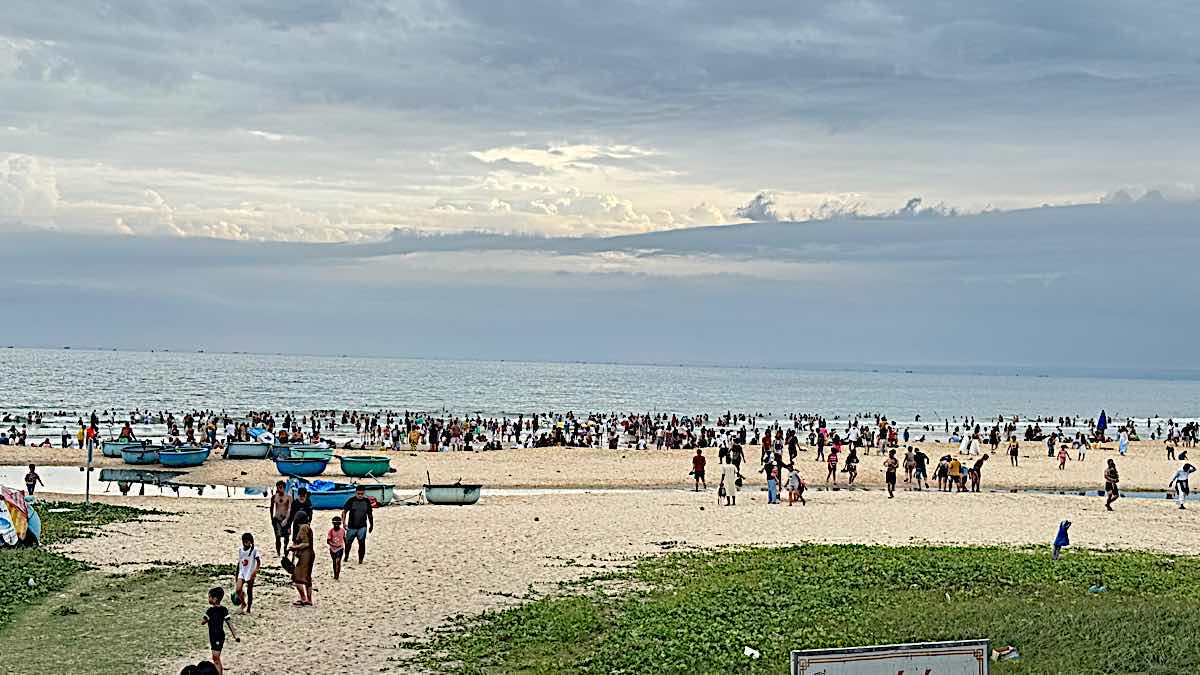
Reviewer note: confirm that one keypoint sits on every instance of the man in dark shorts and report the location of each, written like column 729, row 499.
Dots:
column 920, row 471
column 889, row 472
column 359, row 519
column 698, row 463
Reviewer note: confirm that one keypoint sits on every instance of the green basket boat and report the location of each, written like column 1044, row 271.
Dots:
column 365, row 465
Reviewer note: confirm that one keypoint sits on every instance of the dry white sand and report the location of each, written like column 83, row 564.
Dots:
column 428, row 563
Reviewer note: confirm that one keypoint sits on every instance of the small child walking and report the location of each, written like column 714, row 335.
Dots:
column 32, row 480
column 216, row 617
column 249, row 562
column 1063, row 457
column 337, row 546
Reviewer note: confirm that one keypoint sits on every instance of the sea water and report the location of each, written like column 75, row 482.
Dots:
column 80, row 381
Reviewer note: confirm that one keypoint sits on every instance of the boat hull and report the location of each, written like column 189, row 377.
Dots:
column 365, row 465
column 243, row 450
column 140, row 455
column 452, row 495
column 300, row 467
column 113, row 449
column 183, row 458
column 384, row 494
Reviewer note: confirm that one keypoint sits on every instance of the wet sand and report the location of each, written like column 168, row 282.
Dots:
column 428, row 563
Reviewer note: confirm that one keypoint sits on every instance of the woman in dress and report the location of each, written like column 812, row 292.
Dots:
column 302, row 546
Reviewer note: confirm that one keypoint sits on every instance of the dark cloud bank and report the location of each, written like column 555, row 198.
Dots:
column 1110, row 285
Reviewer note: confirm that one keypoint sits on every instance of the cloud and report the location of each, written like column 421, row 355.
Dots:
column 28, row 189
column 759, row 209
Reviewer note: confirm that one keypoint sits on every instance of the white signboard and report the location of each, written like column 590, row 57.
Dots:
column 968, row 657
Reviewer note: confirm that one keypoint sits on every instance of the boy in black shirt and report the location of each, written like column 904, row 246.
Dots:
column 216, row 617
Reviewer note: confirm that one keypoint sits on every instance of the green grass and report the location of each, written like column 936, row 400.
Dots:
column 103, row 624
column 79, row 621
column 50, row 572
column 694, row 612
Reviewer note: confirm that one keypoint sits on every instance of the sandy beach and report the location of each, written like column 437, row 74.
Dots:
column 1145, row 467
column 429, row 563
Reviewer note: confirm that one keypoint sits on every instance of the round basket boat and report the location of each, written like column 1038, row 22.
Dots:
column 362, row 466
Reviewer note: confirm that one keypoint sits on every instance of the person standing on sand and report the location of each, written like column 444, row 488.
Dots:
column 249, row 562
column 1123, row 442
column 281, row 510
column 831, row 466
column 698, row 462
column 909, row 464
column 1179, row 483
column 360, row 519
column 889, row 472
column 795, row 486
column 920, row 468
column 302, row 546
column 1013, row 448
column 954, row 475
column 300, row 505
column 772, row 471
column 1111, row 479
column 729, row 477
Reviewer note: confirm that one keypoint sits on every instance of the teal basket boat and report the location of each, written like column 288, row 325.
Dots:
column 362, row 466
column 183, row 456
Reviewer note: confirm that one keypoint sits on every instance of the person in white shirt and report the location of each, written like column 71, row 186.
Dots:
column 249, row 561
column 1179, row 483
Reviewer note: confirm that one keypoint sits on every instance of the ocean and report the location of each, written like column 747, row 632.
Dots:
column 76, row 380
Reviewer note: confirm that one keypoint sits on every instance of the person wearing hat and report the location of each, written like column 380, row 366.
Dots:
column 302, row 546
column 359, row 519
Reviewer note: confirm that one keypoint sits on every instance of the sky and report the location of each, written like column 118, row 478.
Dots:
column 933, row 182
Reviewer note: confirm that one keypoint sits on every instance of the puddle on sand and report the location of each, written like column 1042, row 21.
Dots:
column 72, row 480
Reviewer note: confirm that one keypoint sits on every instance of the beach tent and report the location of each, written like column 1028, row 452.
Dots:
column 19, row 522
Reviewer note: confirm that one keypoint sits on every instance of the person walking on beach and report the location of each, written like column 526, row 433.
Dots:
column 729, row 477
column 698, row 462
column 1179, row 483
column 851, row 466
column 281, row 511
column 300, row 505
column 1123, row 442
column 772, row 471
column 795, row 486
column 1063, row 457
column 921, row 468
column 831, row 464
column 32, row 480
column 302, row 546
column 216, row 617
column 1111, row 479
column 249, row 562
column 337, row 546
column 1013, row 448
column 359, row 518
column 889, row 472
column 909, row 464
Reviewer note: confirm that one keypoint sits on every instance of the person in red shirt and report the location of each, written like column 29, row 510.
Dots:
column 832, row 465
column 698, row 463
